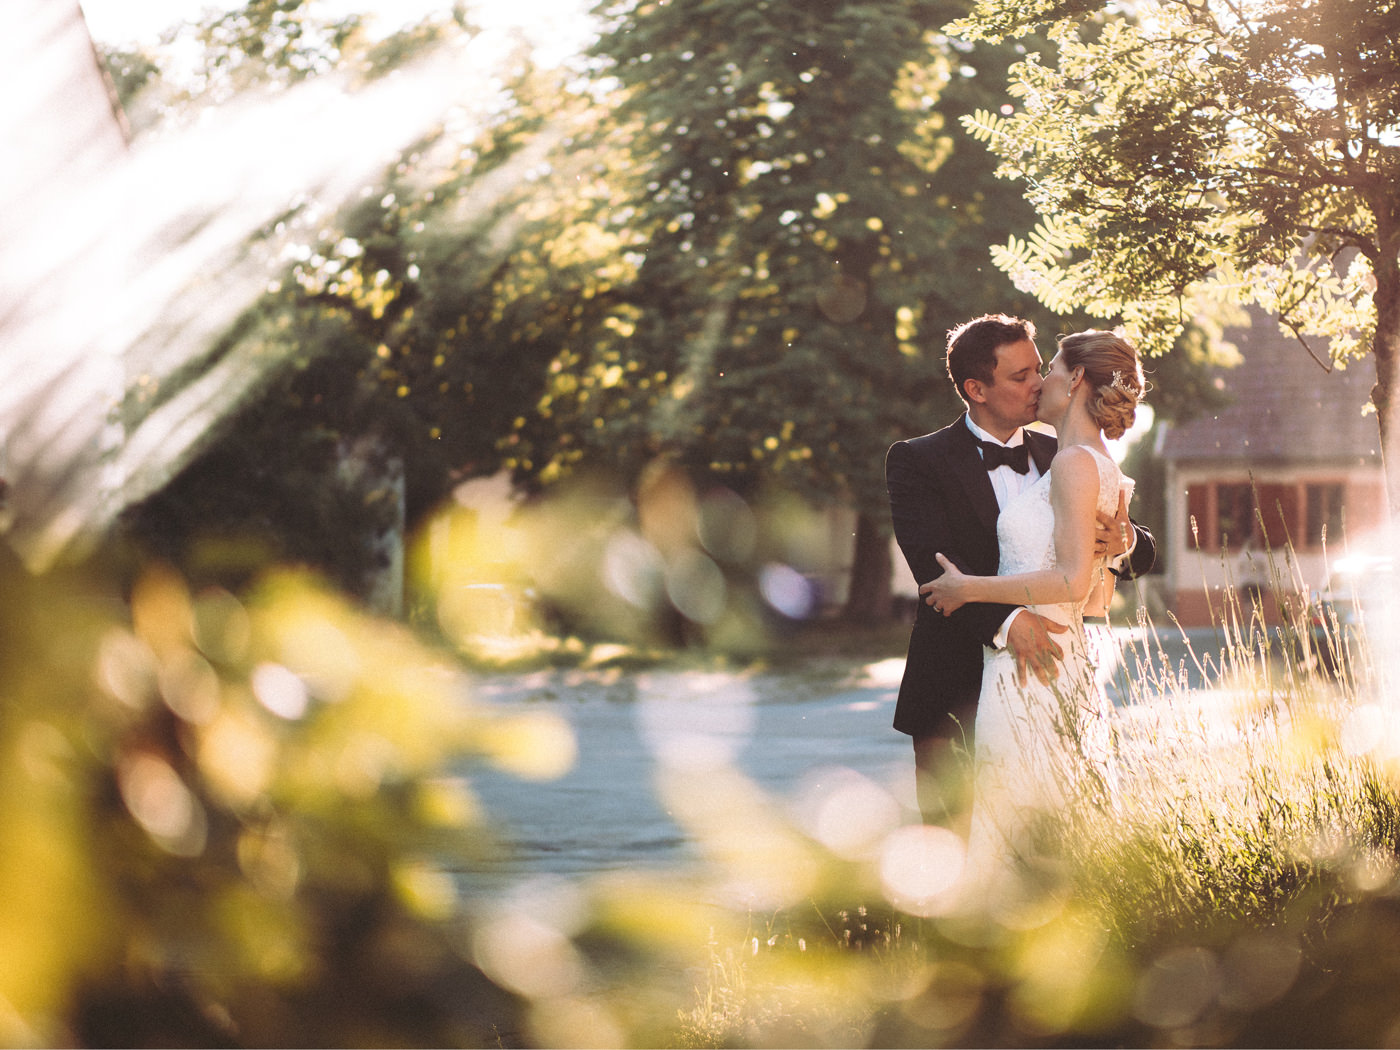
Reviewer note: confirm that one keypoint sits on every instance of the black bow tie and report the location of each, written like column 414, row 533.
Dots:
column 994, row 455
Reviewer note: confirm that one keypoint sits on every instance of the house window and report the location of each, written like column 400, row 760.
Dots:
column 1324, row 520
column 1265, row 516
column 1234, row 517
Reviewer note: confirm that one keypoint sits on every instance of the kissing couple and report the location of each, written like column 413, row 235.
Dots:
column 1017, row 538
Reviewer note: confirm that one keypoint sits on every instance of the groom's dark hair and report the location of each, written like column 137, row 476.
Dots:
column 972, row 347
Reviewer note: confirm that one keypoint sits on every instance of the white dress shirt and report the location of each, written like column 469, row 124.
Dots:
column 1007, row 484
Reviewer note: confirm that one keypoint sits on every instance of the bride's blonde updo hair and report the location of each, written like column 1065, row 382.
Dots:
column 1111, row 366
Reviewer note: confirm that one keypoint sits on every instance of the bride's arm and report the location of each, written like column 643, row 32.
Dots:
column 1074, row 492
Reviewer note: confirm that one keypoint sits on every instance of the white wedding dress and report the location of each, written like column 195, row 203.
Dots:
column 1038, row 748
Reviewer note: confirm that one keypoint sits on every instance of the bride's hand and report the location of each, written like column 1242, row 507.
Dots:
column 946, row 594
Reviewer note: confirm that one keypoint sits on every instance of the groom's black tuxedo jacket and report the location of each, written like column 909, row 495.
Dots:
column 942, row 502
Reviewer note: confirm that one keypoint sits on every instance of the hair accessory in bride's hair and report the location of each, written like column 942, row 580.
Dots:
column 1120, row 384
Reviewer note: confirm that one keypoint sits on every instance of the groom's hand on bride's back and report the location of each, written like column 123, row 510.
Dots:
column 1029, row 640
column 1112, row 534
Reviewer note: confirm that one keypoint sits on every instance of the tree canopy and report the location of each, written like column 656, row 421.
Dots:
column 796, row 212
column 1184, row 152
column 793, row 218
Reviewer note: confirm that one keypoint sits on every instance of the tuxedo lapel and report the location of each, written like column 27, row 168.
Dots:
column 1042, row 447
column 966, row 462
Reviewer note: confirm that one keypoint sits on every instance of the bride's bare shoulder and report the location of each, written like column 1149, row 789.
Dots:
column 1075, row 469
column 1076, row 459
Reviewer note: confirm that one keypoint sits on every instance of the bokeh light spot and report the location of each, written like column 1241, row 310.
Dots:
column 632, row 569
column 322, row 655
column 223, row 629
column 919, row 868
column 126, row 667
column 848, row 812
column 1177, row 988
column 787, row 590
column 1371, row 728
column 162, row 804
column 280, row 691
column 538, row 745
column 1258, row 969
column 527, row 956
column 191, row 687
column 237, row 756
column 696, row 587
column 161, row 612
column 448, row 802
column 727, row 527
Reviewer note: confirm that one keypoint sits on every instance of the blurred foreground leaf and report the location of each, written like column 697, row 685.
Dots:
column 233, row 824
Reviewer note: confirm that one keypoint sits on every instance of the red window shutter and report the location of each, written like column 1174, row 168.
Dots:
column 1278, row 510
column 1199, row 526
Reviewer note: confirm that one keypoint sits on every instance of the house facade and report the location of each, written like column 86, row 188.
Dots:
column 1265, row 495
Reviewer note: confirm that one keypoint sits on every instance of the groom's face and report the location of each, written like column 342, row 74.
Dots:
column 1009, row 401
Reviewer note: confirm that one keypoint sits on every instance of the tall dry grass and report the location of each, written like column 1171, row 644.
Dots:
column 1238, row 888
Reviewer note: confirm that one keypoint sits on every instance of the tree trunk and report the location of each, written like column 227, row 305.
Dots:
column 370, row 470
column 1386, row 349
column 868, row 597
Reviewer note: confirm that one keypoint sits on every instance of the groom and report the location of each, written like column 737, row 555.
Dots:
column 946, row 490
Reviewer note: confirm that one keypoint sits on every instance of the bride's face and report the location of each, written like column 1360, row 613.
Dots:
column 1054, row 394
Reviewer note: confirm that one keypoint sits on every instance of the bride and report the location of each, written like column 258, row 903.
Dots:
column 1040, row 747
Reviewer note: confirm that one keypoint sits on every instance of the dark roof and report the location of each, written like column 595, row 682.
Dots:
column 1286, row 407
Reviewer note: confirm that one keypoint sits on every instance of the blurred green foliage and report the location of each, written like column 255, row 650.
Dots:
column 233, row 822
column 242, row 820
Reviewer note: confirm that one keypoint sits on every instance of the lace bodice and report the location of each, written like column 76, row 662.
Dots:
column 1040, row 747
column 1026, row 534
